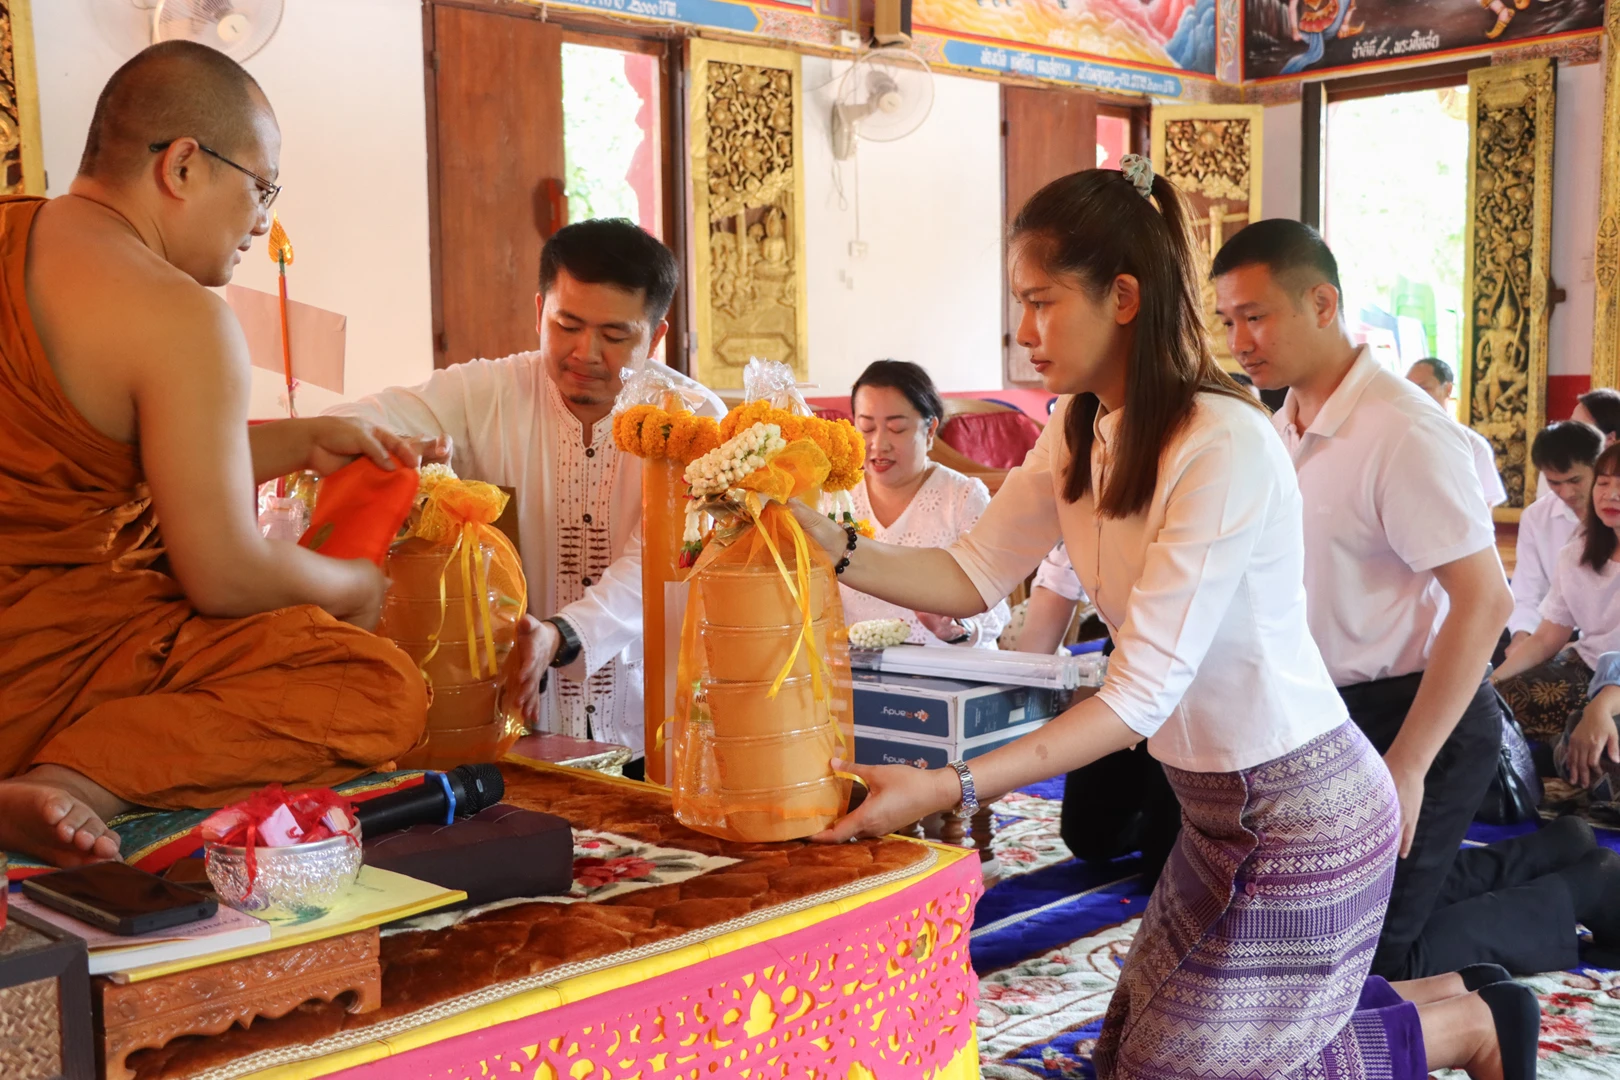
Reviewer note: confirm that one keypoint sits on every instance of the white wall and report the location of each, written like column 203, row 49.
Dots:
column 930, row 287
column 346, row 80
column 1281, row 147
column 1577, row 158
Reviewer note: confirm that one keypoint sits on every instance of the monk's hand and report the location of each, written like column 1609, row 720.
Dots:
column 896, row 795
column 334, row 441
column 363, row 601
column 526, row 666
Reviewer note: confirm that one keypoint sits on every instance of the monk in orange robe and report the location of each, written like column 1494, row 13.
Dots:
column 155, row 649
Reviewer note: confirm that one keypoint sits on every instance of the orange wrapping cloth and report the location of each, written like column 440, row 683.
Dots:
column 359, row 510
column 106, row 666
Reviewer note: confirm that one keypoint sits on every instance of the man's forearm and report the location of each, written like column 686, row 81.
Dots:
column 1457, row 663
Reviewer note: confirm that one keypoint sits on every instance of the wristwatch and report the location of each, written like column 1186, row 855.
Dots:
column 970, row 798
column 568, row 651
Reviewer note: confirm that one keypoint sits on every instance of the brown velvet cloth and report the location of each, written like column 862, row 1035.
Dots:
column 424, row 967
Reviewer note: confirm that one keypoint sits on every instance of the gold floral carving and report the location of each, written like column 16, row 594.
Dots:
column 748, row 195
column 1506, row 289
column 1212, row 154
column 21, row 167
column 1606, row 330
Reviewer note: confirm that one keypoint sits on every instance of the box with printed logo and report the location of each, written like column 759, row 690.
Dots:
column 875, row 746
column 906, row 707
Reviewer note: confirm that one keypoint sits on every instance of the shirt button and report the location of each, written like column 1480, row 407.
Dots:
column 1251, row 888
column 587, row 519
column 590, row 451
column 587, row 581
column 590, row 708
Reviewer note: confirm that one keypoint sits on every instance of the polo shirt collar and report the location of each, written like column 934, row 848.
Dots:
column 1342, row 402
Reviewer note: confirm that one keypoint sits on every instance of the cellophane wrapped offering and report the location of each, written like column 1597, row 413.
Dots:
column 655, row 418
column 763, row 700
column 457, row 596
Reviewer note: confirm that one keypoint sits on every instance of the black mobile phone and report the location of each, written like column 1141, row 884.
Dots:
column 115, row 896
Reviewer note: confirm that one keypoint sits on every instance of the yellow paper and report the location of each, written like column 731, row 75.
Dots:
column 377, row 897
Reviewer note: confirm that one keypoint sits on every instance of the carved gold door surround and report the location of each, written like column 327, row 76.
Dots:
column 1507, row 278
column 747, row 139
column 23, row 169
column 1606, row 328
column 1212, row 154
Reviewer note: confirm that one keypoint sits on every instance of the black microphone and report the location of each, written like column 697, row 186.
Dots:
column 438, row 800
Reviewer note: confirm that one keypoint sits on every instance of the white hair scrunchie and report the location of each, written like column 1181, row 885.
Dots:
column 1139, row 171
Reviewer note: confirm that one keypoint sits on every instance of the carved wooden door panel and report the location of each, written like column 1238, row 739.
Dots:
column 1212, row 154
column 1606, row 328
column 1047, row 133
column 22, row 168
column 1503, row 381
column 496, row 177
column 747, row 163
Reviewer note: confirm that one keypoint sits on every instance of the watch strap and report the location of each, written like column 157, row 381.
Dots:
column 570, row 648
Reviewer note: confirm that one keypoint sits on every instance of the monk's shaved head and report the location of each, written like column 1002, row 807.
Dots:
column 172, row 90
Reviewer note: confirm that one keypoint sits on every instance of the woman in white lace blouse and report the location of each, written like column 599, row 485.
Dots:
column 910, row 500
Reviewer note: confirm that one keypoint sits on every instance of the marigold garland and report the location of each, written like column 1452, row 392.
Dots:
column 650, row 432
column 838, row 439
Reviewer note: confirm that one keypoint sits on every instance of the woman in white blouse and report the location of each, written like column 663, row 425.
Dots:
column 1181, row 513
column 1584, row 595
column 913, row 501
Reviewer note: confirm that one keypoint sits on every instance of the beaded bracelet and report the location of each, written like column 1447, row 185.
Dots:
column 843, row 564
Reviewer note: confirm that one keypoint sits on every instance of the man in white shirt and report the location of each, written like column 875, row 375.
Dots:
column 540, row 423
column 1434, row 377
column 1405, row 597
column 1563, row 454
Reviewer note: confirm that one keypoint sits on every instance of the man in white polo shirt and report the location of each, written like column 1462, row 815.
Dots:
column 1563, row 454
column 1406, row 598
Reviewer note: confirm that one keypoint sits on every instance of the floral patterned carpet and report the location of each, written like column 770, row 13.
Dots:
column 1050, row 935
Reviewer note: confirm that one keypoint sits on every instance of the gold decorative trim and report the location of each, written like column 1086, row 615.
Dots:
column 22, row 162
column 749, row 281
column 1507, row 279
column 1212, row 153
column 1606, row 264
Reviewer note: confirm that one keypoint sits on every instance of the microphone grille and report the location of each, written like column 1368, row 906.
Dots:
column 483, row 785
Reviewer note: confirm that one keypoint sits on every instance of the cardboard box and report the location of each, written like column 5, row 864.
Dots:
column 874, row 746
column 912, row 706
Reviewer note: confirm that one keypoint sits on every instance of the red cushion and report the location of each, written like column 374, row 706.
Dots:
column 997, row 440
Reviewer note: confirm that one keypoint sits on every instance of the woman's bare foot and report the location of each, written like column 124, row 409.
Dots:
column 58, row 816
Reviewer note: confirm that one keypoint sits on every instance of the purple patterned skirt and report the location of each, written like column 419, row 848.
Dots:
column 1254, row 950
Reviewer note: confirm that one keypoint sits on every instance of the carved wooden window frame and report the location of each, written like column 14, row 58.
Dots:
column 1534, row 83
column 1165, row 115
column 701, row 52
column 20, row 139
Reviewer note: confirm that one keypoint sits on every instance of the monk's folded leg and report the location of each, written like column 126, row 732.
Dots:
column 290, row 696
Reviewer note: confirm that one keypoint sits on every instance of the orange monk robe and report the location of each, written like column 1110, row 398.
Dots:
column 107, row 669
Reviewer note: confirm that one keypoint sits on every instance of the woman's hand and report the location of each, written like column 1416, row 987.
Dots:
column 896, row 795
column 943, row 627
column 821, row 529
column 1593, row 739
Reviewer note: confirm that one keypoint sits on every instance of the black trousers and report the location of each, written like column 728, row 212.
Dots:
column 1451, row 907
column 1119, row 804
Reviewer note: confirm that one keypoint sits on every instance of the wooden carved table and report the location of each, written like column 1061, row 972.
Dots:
column 208, row 1000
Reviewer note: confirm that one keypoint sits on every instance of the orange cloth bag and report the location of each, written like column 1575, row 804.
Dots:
column 457, row 595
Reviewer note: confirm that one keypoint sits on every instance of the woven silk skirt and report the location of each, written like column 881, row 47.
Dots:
column 1253, row 953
